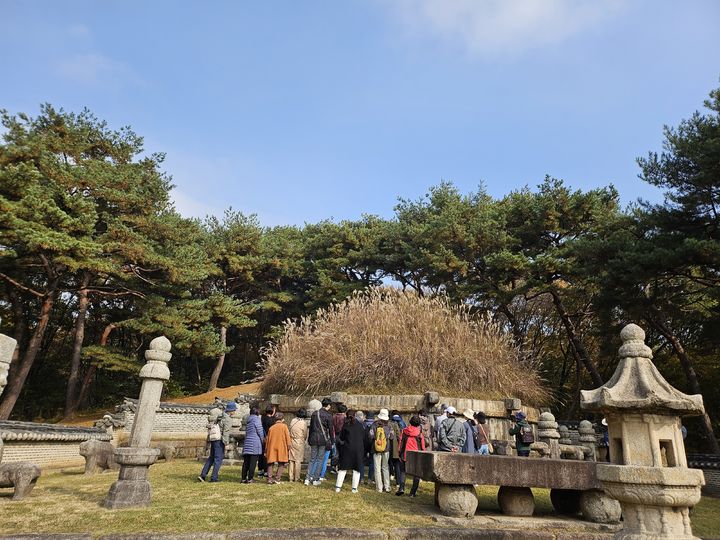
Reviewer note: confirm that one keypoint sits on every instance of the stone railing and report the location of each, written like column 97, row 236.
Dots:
column 47, row 445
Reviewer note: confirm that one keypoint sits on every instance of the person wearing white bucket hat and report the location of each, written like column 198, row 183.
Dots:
column 380, row 434
column 452, row 433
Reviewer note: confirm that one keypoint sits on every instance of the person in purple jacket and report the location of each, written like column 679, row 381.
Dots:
column 253, row 446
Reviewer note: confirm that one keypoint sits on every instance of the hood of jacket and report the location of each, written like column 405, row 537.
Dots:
column 411, row 431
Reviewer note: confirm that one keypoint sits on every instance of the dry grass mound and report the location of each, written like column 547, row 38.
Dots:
column 384, row 341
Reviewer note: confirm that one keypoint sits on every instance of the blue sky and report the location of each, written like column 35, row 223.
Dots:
column 304, row 110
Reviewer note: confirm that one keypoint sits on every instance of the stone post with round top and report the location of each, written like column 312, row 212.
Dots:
column 132, row 487
column 648, row 472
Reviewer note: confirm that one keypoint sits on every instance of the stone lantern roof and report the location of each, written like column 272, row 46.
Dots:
column 637, row 386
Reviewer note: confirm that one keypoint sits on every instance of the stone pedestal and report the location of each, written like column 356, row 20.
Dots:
column 655, row 501
column 132, row 487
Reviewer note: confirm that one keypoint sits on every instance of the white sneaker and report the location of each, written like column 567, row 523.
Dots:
column 337, row 490
column 354, row 490
column 307, row 481
column 317, row 483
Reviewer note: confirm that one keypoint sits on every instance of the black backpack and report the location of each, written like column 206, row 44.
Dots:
column 526, row 434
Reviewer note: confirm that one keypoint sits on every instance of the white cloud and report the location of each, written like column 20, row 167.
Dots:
column 502, row 27
column 191, row 207
column 95, row 68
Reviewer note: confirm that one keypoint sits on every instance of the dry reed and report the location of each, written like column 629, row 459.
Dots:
column 384, row 340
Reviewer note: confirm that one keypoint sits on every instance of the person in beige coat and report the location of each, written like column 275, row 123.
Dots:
column 298, row 436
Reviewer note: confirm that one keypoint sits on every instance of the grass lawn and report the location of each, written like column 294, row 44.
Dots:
column 68, row 501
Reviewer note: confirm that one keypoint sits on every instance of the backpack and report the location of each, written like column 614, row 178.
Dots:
column 380, row 440
column 526, row 434
column 215, row 433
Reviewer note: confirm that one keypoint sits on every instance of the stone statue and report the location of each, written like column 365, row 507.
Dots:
column 22, row 476
column 98, row 456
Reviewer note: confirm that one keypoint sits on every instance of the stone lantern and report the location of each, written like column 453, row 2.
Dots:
column 648, row 472
column 7, row 348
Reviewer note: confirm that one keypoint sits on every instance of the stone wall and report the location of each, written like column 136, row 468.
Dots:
column 182, row 425
column 497, row 411
column 47, row 445
column 710, row 466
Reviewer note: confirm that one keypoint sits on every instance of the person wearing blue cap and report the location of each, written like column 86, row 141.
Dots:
column 219, row 425
column 523, row 432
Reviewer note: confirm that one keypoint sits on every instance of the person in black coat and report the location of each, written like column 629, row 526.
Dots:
column 351, row 444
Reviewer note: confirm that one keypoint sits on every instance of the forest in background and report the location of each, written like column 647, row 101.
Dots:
column 95, row 262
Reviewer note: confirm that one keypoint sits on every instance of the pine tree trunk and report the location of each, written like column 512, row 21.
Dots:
column 83, row 301
column 220, row 361
column 18, row 375
column 575, row 341
column 20, row 324
column 92, row 369
column 690, row 375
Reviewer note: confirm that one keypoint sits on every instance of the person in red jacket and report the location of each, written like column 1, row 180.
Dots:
column 411, row 440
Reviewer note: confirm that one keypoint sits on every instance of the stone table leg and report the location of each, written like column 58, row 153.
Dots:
column 516, row 501
column 565, row 501
column 598, row 507
column 457, row 500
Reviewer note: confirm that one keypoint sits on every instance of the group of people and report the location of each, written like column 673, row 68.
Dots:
column 350, row 441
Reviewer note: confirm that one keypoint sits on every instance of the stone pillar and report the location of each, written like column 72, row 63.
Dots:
column 588, row 439
column 564, row 435
column 648, row 474
column 7, row 348
column 548, row 434
column 132, row 487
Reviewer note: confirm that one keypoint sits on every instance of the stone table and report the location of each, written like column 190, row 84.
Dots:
column 574, row 484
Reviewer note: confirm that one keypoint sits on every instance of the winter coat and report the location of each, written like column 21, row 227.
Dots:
column 367, row 424
column 254, row 436
column 452, row 435
column 225, row 427
column 395, row 442
column 470, row 431
column 389, row 434
column 399, row 419
column 409, row 439
column 277, row 444
column 427, row 431
column 298, row 436
column 351, row 445
column 338, row 423
column 267, row 422
column 438, row 422
column 321, row 423
column 515, row 430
